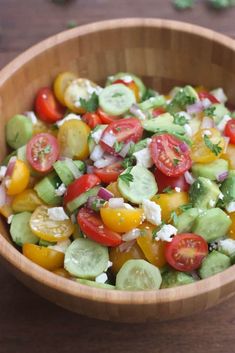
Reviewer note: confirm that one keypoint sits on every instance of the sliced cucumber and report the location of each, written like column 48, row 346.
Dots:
column 86, row 259
column 175, row 278
column 20, row 230
column 185, row 221
column 152, row 102
column 46, row 189
column 116, row 99
column 68, row 170
column 143, row 186
column 214, row 263
column 80, row 200
column 138, row 275
column 136, row 79
column 220, row 112
column 19, row 131
column 87, row 282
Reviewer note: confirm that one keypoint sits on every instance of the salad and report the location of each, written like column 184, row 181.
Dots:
column 121, row 187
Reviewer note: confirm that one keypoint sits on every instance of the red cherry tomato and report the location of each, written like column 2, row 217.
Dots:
column 91, row 119
column 164, row 181
column 208, row 95
column 47, row 107
column 230, row 130
column 93, row 227
column 158, row 111
column 105, row 118
column 124, row 130
column 79, row 186
column 110, row 173
column 42, row 152
column 186, row 251
column 167, row 155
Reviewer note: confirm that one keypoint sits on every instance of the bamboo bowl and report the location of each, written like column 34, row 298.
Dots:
column 164, row 53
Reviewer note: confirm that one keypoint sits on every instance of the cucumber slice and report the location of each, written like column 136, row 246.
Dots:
column 186, row 220
column 19, row 131
column 214, row 263
column 175, row 279
column 152, row 102
column 220, row 112
column 87, row 282
column 86, row 259
column 138, row 275
column 20, row 230
column 142, row 187
column 46, row 189
column 228, row 189
column 116, row 99
column 136, row 79
column 80, row 200
column 67, row 170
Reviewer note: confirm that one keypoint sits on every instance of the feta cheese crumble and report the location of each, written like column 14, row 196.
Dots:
column 152, row 212
column 188, row 130
column 227, row 246
column 177, row 189
column 230, row 207
column 166, row 232
column 68, row 117
column 212, row 203
column 9, row 219
column 3, row 170
column 61, row 190
column 57, row 214
column 61, row 246
column 102, row 278
column 131, row 235
column 143, row 158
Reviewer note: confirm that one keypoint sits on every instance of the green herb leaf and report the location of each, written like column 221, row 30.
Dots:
column 180, row 119
column 176, row 161
column 168, row 190
column 183, row 4
column 186, row 207
column 182, row 99
column 118, row 146
column 157, row 229
column 126, row 178
column 174, row 217
column 128, row 162
column 215, row 148
column 91, row 104
column 210, row 111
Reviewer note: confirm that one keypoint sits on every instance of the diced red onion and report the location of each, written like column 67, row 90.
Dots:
column 222, row 176
column 125, row 149
column 189, row 178
column 62, row 158
column 2, row 195
column 105, row 161
column 125, row 247
column 206, row 103
column 10, row 167
column 183, row 147
column 207, row 123
column 135, row 110
column 195, row 275
column 133, row 234
column 116, row 202
column 90, row 169
column 105, row 194
column 226, row 140
column 195, row 108
column 97, row 153
column 109, row 139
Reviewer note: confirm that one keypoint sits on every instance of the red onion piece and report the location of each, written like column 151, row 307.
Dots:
column 207, row 123
column 222, row 176
column 195, row 108
column 109, row 139
column 90, row 169
column 97, row 153
column 105, row 194
column 116, row 202
column 3, row 195
column 106, row 161
column 189, row 178
column 183, row 147
column 135, row 110
column 10, row 167
column 124, row 247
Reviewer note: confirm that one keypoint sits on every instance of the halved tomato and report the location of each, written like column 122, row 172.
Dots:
column 208, row 95
column 158, row 111
column 110, row 173
column 164, row 181
column 93, row 227
column 47, row 107
column 230, row 130
column 186, row 251
column 42, row 152
column 91, row 119
column 167, row 155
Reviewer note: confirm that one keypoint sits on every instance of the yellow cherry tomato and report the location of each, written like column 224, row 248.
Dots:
column 229, row 155
column 40, row 127
column 78, row 89
column 120, row 219
column 27, row 200
column 113, row 188
column 170, row 202
column 19, row 179
column 6, row 211
column 118, row 257
column 61, row 82
column 62, row 273
column 72, row 138
column 200, row 152
column 44, row 257
column 232, row 227
column 47, row 229
column 153, row 250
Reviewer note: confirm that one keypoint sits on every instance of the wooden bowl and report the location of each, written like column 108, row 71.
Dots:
column 164, row 53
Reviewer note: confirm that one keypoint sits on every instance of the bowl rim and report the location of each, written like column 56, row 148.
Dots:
column 75, row 289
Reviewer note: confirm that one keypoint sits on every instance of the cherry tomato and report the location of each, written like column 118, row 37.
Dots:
column 208, row 95
column 158, row 111
column 163, row 181
column 91, row 119
column 113, row 187
column 42, row 152
column 153, row 250
column 47, row 229
column 200, row 153
column 119, row 257
column 79, row 186
column 26, row 201
column 93, row 227
column 40, row 127
column 170, row 203
column 19, row 179
column 132, row 85
column 120, row 219
column 230, row 130
column 124, row 130
column 186, row 251
column 105, row 118
column 110, row 173
column 167, row 155
column 6, row 211
column 230, row 156
column 62, row 273
column 47, row 107
column 44, row 257
column 61, row 82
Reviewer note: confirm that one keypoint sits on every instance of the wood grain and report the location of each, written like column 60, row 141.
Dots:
column 29, row 323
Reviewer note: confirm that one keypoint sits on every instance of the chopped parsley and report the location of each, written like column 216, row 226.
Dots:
column 128, row 162
column 168, row 190
column 157, row 229
column 180, row 120
column 182, row 99
column 186, row 207
column 215, row 148
column 176, row 161
column 118, row 146
column 91, row 104
column 126, row 178
column 47, row 149
column 174, row 217
column 210, row 111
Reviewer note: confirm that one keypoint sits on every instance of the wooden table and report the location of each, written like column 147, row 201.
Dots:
column 29, row 323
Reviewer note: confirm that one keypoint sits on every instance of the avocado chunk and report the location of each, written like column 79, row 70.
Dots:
column 212, row 224
column 219, row 112
column 204, row 193
column 185, row 96
column 186, row 220
column 210, row 170
column 228, row 189
column 175, row 278
column 165, row 122
column 214, row 263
